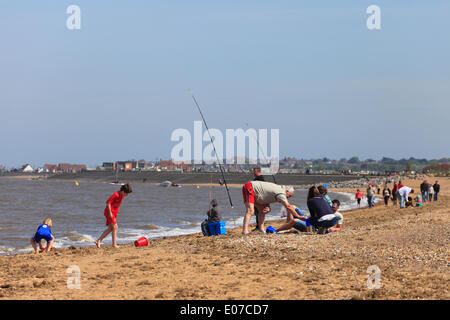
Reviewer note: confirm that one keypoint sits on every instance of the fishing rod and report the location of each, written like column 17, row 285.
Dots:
column 218, row 160
column 261, row 152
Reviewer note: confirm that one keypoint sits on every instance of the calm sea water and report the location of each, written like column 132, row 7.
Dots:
column 150, row 211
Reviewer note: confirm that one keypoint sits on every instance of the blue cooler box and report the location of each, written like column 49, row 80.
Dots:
column 217, row 228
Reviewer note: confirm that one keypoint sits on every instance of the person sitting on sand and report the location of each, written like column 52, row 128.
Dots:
column 111, row 211
column 339, row 216
column 318, row 209
column 260, row 194
column 213, row 216
column 299, row 222
column 44, row 231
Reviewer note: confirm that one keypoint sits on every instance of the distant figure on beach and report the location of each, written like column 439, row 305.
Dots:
column 424, row 190
column 378, row 189
column 403, row 194
column 111, row 211
column 257, row 176
column 418, row 200
column 430, row 192
column 370, row 195
column 260, row 194
column 394, row 193
column 44, row 231
column 358, row 197
column 386, row 194
column 436, row 188
column 213, row 214
column 324, row 191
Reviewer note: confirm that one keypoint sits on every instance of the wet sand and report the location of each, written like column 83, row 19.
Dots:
column 409, row 246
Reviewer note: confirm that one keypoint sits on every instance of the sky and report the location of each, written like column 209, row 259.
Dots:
column 118, row 87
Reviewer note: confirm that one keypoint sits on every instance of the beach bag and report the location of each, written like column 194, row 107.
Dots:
column 205, row 228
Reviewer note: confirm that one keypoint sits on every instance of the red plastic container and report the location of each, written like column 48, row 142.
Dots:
column 141, row 242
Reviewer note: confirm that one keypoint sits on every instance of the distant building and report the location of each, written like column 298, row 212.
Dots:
column 108, row 165
column 27, row 168
column 71, row 168
column 52, row 168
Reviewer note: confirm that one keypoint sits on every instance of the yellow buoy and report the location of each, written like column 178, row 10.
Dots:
column 76, row 183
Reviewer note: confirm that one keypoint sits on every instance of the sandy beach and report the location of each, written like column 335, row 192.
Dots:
column 409, row 246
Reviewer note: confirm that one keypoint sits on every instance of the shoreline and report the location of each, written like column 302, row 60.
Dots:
column 408, row 245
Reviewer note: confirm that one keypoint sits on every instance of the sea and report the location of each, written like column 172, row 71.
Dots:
column 150, row 211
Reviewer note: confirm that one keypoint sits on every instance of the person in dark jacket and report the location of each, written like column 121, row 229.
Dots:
column 436, row 188
column 214, row 215
column 318, row 207
column 424, row 186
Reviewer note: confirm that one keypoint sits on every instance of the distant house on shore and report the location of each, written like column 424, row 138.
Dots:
column 71, row 168
column 52, row 168
column 27, row 168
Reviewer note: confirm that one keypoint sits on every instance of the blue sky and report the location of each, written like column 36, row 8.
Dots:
column 117, row 88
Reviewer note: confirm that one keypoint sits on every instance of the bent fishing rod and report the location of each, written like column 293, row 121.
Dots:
column 214, row 147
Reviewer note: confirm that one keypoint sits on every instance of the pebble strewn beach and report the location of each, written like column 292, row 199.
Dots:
column 409, row 247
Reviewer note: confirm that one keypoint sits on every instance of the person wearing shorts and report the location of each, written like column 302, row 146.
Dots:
column 110, row 213
column 260, row 194
column 44, row 231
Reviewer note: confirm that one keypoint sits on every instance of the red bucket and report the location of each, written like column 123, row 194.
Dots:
column 141, row 242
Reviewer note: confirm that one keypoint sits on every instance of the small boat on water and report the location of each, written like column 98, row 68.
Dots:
column 165, row 184
column 117, row 183
column 176, row 185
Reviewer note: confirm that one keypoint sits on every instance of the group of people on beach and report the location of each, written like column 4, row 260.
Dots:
column 258, row 195
column 400, row 193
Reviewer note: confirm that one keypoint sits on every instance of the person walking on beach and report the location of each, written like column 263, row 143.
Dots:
column 436, row 188
column 370, row 195
column 394, row 193
column 44, row 231
column 358, row 197
column 111, row 211
column 386, row 194
column 260, row 194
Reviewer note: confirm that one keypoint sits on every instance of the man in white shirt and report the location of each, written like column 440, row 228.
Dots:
column 403, row 193
column 261, row 194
